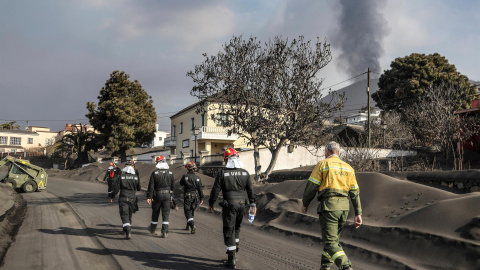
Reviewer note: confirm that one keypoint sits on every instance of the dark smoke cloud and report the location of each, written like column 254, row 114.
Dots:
column 359, row 35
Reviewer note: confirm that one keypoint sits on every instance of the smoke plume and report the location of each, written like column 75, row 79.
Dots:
column 359, row 36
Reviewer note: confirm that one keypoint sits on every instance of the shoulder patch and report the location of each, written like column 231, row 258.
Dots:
column 198, row 180
column 156, row 172
column 186, row 177
column 226, row 174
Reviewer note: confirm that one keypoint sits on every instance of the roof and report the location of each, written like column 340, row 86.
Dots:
column 189, row 108
column 467, row 111
column 17, row 131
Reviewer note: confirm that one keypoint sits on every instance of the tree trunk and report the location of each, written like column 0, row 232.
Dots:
column 256, row 159
column 123, row 155
column 273, row 161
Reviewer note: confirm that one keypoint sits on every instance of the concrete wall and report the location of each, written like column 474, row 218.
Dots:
column 302, row 157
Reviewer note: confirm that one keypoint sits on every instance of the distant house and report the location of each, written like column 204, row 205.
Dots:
column 361, row 118
column 160, row 137
column 473, row 143
column 71, row 128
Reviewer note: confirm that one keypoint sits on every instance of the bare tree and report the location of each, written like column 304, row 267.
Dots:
column 271, row 93
column 434, row 123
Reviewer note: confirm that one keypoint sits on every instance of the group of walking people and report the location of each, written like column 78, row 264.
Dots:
column 332, row 181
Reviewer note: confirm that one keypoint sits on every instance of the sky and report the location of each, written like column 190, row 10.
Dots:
column 56, row 55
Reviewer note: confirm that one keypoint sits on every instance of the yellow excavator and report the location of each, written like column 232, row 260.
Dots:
column 24, row 175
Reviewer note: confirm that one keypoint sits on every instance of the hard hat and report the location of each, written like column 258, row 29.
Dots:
column 191, row 165
column 160, row 158
column 230, row 153
column 131, row 163
column 111, row 164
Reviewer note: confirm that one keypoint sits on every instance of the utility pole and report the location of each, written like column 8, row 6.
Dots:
column 368, row 108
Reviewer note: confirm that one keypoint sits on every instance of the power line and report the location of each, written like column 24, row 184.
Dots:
column 343, row 81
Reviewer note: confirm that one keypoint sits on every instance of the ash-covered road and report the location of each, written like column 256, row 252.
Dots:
column 73, row 225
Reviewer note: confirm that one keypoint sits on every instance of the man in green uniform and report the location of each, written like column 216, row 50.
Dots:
column 333, row 181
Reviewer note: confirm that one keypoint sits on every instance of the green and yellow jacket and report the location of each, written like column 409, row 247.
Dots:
column 333, row 181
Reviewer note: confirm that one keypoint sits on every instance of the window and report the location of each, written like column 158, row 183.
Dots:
column 30, row 141
column 191, row 153
column 15, row 141
column 181, row 128
column 160, row 138
column 192, row 124
column 202, row 120
column 185, row 143
column 221, row 119
column 3, row 139
column 173, row 130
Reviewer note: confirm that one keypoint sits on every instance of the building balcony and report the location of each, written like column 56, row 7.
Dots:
column 214, row 133
column 170, row 142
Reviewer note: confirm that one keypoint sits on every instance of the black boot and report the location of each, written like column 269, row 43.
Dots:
column 192, row 225
column 230, row 263
column 128, row 232
column 188, row 226
column 164, row 231
column 152, row 228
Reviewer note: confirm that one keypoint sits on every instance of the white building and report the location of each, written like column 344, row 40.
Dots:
column 361, row 118
column 160, row 136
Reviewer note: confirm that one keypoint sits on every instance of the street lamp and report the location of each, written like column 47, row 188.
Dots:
column 195, row 132
column 384, row 127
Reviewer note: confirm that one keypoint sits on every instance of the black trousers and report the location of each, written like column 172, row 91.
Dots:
column 110, row 183
column 126, row 209
column 161, row 202
column 232, row 217
column 188, row 205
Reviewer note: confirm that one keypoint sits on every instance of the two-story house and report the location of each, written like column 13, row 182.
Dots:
column 13, row 141
column 198, row 135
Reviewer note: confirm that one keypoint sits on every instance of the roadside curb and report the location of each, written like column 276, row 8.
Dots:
column 11, row 219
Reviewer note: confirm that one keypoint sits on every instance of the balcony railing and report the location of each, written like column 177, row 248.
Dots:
column 214, row 133
column 170, row 141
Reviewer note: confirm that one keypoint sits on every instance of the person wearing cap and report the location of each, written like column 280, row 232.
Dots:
column 127, row 201
column 232, row 181
column 112, row 177
column 159, row 194
column 333, row 182
column 193, row 194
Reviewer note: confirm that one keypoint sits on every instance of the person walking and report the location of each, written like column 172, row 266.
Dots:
column 333, row 181
column 127, row 202
column 192, row 194
column 159, row 194
column 232, row 181
column 112, row 176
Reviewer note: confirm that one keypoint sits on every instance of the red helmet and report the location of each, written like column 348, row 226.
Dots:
column 160, row 158
column 111, row 164
column 230, row 153
column 131, row 163
column 191, row 165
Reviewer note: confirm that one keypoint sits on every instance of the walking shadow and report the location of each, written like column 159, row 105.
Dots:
column 162, row 260
column 112, row 233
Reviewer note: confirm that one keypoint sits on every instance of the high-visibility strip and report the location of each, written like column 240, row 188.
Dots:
column 126, row 224
column 232, row 248
column 335, row 167
column 190, row 219
column 326, row 255
column 338, row 254
column 315, row 181
column 154, row 223
column 354, row 187
column 165, row 222
column 237, row 240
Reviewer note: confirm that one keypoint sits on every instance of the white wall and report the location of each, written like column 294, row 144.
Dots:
column 302, row 157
